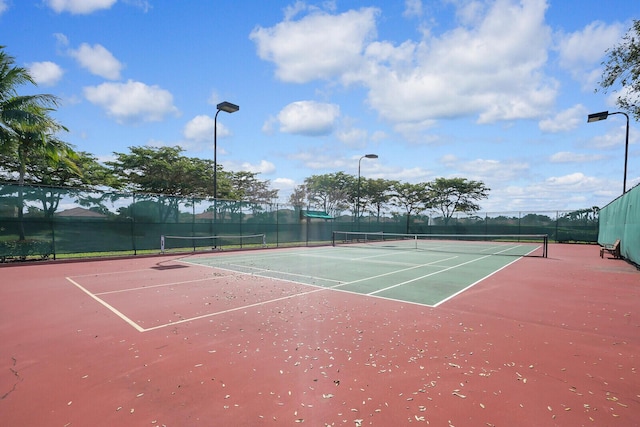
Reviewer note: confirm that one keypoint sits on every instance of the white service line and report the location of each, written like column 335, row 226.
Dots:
column 428, row 275
column 108, row 306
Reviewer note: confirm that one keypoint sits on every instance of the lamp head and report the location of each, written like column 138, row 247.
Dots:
column 596, row 117
column 227, row 107
column 371, row 156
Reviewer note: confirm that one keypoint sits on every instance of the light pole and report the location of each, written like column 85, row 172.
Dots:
column 367, row 156
column 227, row 107
column 596, row 117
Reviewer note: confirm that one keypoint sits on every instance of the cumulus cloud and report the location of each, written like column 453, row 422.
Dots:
column 79, row 7
column 45, row 73
column 264, row 167
column 200, row 129
column 308, row 118
column 412, row 8
column 97, row 60
column 492, row 67
column 581, row 52
column 564, row 121
column 132, row 101
column 569, row 157
column 317, row 46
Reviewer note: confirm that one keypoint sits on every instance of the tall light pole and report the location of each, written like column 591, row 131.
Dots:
column 367, row 156
column 596, row 117
column 227, row 107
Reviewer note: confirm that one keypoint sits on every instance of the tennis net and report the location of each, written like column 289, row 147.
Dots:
column 519, row 245
column 208, row 243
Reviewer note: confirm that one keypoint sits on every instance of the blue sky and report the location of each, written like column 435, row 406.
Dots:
column 497, row 91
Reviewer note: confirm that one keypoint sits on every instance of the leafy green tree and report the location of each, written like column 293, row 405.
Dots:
column 410, row 197
column 622, row 71
column 26, row 128
column 450, row 195
column 246, row 186
column 375, row 193
column 330, row 192
column 298, row 196
column 30, row 111
column 163, row 171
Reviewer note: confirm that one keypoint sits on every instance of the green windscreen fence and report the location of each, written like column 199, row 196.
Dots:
column 620, row 219
column 50, row 222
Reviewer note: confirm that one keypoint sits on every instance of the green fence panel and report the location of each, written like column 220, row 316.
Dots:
column 45, row 221
column 620, row 219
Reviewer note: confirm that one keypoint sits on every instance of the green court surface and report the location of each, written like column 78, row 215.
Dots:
column 422, row 276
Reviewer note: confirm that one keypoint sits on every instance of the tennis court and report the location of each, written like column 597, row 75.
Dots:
column 370, row 332
column 415, row 268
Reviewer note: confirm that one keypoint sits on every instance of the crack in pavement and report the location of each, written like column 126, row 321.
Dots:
column 18, row 379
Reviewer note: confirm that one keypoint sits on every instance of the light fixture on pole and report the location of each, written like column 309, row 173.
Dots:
column 367, row 156
column 227, row 107
column 596, row 117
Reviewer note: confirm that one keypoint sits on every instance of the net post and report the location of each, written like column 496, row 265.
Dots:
column 545, row 249
column 162, row 244
column 333, row 239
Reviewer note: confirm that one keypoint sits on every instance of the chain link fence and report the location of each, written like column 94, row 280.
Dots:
column 54, row 222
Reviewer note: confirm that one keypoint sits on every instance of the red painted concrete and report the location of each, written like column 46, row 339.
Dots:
column 545, row 342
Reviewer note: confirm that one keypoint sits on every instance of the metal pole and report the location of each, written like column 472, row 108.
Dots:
column 626, row 155
column 215, row 156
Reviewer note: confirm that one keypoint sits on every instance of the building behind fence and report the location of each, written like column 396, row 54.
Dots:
column 60, row 221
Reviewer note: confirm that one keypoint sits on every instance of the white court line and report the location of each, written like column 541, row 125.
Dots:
column 438, row 272
column 475, row 283
column 231, row 310
column 108, row 306
column 168, row 284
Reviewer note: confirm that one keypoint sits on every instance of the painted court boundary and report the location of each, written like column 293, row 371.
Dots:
column 261, row 272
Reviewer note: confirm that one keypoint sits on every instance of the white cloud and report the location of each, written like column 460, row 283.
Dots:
column 132, row 101
column 308, row 118
column 569, row 157
column 97, row 60
column 3, row 6
column 412, row 8
column 318, row 46
column 200, row 128
column 582, row 51
column 46, row 73
column 79, row 7
column 491, row 67
column 565, row 121
column 493, row 171
column 283, row 184
column 264, row 167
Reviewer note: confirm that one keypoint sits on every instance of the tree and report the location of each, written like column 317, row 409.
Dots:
column 377, row 193
column 298, row 196
column 410, row 197
column 246, row 186
column 622, row 69
column 450, row 195
column 16, row 108
column 164, row 171
column 330, row 192
column 30, row 140
column 26, row 128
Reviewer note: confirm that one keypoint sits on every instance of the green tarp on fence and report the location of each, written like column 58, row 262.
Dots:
column 55, row 221
column 620, row 219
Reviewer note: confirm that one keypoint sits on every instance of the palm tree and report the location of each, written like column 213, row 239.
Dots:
column 26, row 128
column 16, row 108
